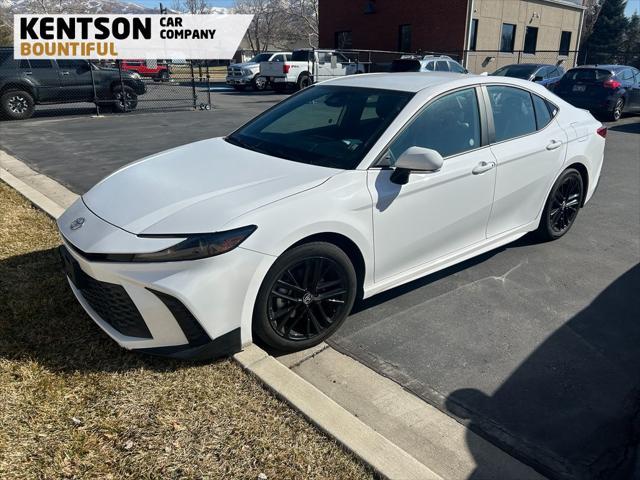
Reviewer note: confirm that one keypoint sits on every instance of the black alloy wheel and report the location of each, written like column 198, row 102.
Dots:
column 305, row 297
column 563, row 205
column 125, row 100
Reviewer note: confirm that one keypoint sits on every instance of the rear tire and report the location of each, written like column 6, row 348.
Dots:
column 562, row 206
column 124, row 102
column 305, row 297
column 16, row 105
column 304, row 81
column 616, row 112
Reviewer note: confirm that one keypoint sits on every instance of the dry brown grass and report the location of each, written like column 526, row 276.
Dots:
column 75, row 405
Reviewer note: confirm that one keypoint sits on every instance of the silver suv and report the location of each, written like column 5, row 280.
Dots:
column 427, row 63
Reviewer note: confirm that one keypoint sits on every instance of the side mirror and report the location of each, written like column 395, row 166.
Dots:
column 538, row 78
column 484, row 74
column 416, row 159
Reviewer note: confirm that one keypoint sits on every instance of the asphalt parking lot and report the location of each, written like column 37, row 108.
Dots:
column 534, row 346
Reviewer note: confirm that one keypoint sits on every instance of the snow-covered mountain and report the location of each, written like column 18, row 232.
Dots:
column 77, row 6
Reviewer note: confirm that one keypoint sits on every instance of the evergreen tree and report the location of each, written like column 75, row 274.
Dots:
column 608, row 32
column 632, row 41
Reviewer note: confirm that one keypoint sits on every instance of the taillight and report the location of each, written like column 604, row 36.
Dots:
column 285, row 68
column 602, row 131
column 612, row 84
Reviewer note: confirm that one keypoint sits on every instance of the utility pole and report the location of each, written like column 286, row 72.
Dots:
column 163, row 10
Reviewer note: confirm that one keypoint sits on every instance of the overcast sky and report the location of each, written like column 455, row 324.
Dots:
column 632, row 5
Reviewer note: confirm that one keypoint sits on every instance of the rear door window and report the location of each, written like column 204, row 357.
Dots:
column 430, row 66
column 513, row 113
column 442, row 66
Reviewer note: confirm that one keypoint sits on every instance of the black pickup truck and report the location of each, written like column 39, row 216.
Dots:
column 26, row 83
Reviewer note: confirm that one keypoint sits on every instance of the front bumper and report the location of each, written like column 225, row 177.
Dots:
column 189, row 309
column 239, row 80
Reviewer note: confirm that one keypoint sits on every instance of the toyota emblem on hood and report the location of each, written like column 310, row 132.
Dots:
column 77, row 223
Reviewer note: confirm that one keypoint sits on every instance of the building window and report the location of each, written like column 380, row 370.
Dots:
column 344, row 40
column 530, row 40
column 565, row 43
column 508, row 37
column 473, row 34
column 404, row 38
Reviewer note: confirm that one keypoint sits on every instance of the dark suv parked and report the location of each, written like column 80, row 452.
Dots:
column 26, row 83
column 609, row 90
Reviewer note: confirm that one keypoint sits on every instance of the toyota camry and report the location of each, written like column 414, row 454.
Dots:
column 346, row 189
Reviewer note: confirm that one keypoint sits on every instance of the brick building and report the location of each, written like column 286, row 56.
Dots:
column 492, row 32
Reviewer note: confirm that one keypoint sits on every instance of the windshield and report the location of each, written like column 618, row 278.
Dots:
column 261, row 57
column 516, row 71
column 331, row 126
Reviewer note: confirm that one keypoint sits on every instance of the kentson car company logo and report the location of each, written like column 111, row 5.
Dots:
column 185, row 37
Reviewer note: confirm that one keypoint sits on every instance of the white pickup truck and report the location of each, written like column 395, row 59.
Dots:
column 242, row 75
column 307, row 67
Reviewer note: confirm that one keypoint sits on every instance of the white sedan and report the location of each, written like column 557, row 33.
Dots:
column 349, row 188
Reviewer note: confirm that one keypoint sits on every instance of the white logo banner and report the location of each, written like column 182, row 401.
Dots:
column 201, row 37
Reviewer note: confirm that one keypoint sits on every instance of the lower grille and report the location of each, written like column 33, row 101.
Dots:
column 112, row 303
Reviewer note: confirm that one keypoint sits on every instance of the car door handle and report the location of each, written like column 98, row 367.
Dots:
column 65, row 73
column 28, row 73
column 483, row 167
column 554, row 144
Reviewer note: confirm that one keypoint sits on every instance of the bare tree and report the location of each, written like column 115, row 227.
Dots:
column 268, row 26
column 190, row 6
column 307, row 14
column 591, row 12
column 279, row 24
column 6, row 26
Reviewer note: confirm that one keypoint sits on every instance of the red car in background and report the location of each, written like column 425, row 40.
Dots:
column 157, row 70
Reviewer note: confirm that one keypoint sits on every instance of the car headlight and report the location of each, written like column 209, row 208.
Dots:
column 136, row 75
column 201, row 245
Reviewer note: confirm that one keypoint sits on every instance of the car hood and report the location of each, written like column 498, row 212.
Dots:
column 246, row 65
column 197, row 188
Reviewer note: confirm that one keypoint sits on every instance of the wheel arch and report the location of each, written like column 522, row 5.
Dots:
column 584, row 173
column 344, row 243
column 306, row 72
column 19, row 86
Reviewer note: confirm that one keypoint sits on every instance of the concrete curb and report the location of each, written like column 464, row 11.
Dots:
column 385, row 458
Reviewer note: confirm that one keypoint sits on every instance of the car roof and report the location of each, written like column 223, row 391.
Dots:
column 614, row 68
column 416, row 81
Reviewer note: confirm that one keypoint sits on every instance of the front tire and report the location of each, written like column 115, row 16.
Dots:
column 16, row 105
column 562, row 207
column 305, row 297
column 259, row 83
